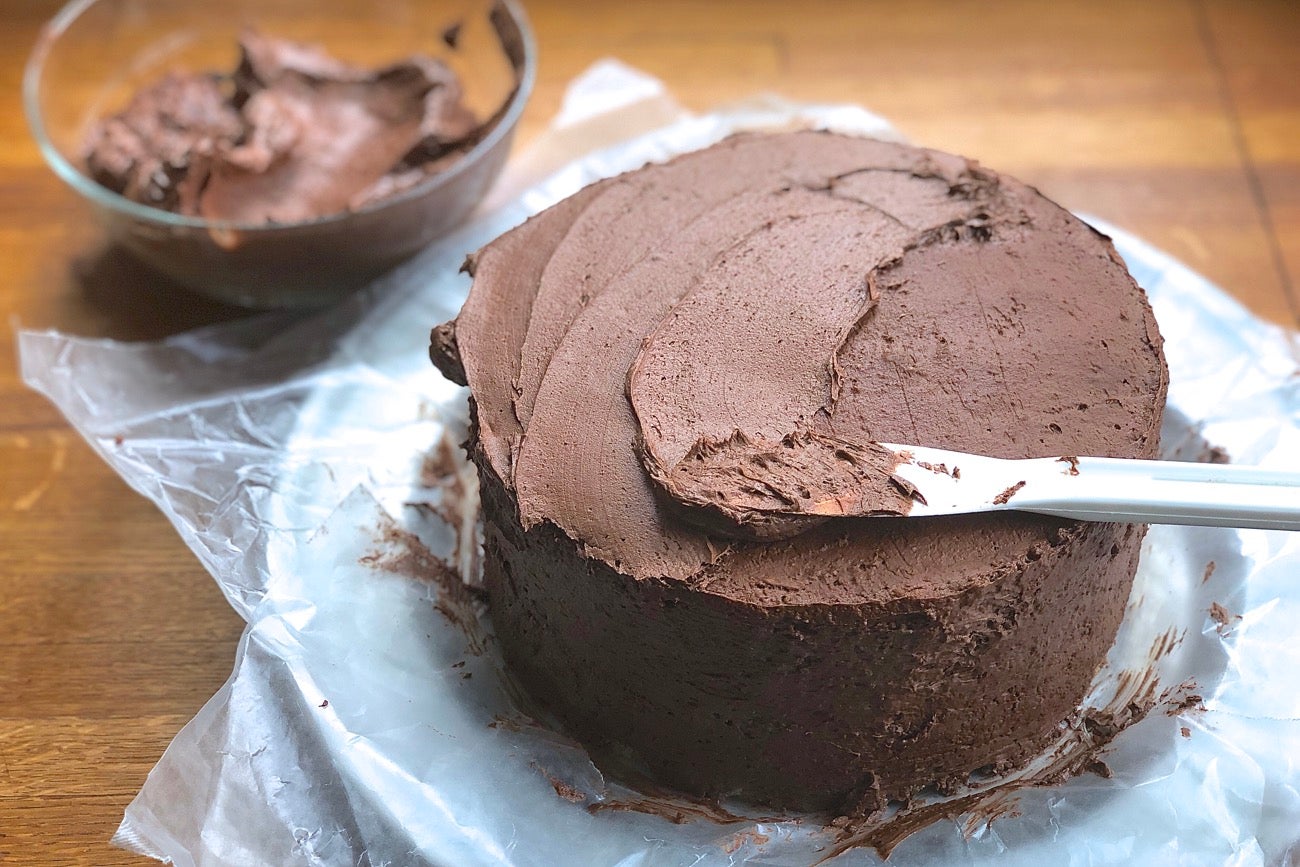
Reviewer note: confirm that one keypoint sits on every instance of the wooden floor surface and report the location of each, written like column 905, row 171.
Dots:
column 1178, row 120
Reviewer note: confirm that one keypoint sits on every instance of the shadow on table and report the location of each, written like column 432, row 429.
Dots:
column 134, row 302
column 210, row 345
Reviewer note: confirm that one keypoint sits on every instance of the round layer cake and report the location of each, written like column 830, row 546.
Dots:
column 802, row 294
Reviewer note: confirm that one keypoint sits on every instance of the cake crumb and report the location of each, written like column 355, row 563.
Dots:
column 1072, row 461
column 1005, row 497
column 743, row 837
column 1209, row 571
column 1190, row 702
column 937, row 469
column 1185, row 731
column 1100, row 768
column 563, row 789
column 1222, row 617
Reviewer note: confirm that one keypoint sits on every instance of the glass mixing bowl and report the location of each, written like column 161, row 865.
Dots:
column 95, row 54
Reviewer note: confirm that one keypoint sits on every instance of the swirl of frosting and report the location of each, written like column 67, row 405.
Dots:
column 709, row 349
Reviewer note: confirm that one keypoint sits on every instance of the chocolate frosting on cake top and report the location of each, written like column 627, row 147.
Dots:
column 703, row 352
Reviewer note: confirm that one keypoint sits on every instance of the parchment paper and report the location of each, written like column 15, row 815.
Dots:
column 364, row 724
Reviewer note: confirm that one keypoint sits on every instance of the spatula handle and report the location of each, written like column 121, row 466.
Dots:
column 1166, row 492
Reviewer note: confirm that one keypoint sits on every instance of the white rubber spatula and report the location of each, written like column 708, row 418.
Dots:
column 1102, row 489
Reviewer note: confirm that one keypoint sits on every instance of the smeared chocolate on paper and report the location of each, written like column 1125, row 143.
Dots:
column 1083, row 741
column 402, row 552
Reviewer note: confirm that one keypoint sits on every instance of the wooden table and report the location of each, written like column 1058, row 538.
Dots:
column 1176, row 119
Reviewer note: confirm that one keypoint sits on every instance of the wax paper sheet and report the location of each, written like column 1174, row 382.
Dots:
column 366, row 721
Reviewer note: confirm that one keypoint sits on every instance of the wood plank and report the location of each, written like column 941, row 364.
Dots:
column 1256, row 59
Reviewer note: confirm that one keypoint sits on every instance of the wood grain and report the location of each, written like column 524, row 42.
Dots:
column 1176, row 119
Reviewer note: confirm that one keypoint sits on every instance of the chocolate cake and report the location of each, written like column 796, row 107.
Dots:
column 660, row 358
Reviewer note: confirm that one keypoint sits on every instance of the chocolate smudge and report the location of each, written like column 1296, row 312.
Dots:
column 451, row 477
column 1083, row 738
column 563, row 789
column 676, row 808
column 1222, row 617
column 1209, row 572
column 403, row 553
column 1100, row 768
column 938, row 469
column 1214, row 455
column 742, row 838
column 1190, row 702
column 1005, row 497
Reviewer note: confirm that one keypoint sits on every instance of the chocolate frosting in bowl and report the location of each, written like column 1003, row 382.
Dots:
column 293, row 135
column 678, row 377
